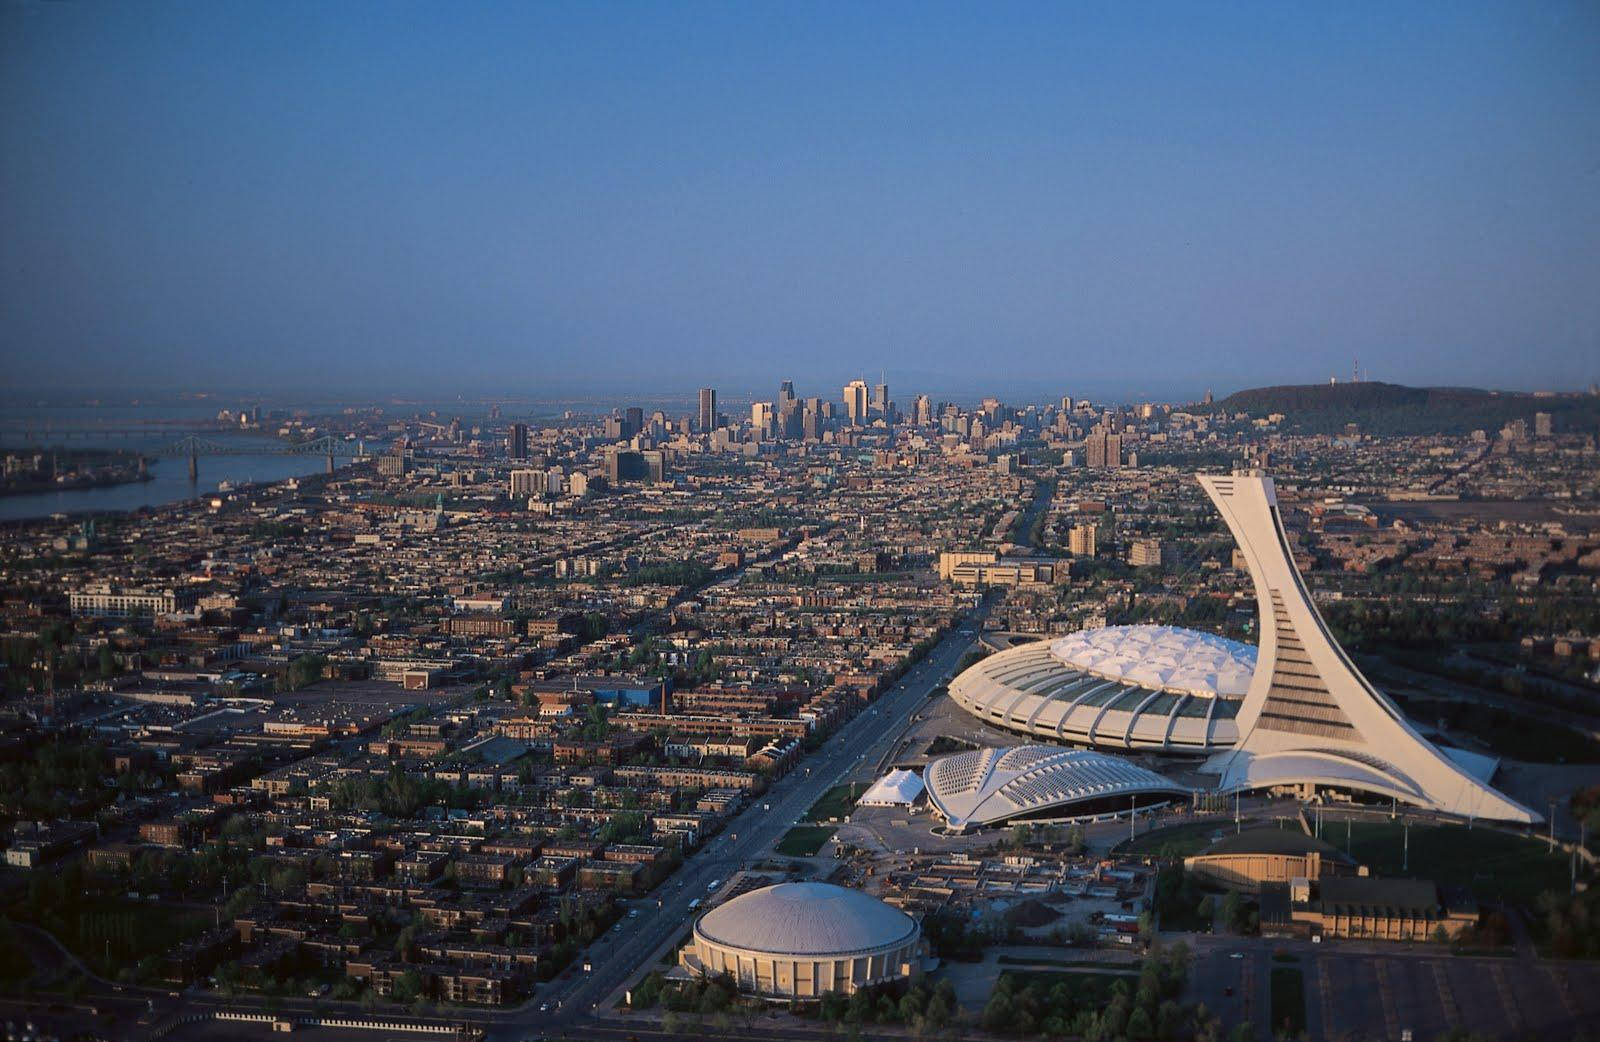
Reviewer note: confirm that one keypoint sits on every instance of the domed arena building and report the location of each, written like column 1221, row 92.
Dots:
column 1156, row 688
column 1026, row 783
column 804, row 940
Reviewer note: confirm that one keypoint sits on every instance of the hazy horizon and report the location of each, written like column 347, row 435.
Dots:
column 1124, row 203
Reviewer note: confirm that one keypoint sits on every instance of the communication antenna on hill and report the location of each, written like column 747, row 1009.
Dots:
column 1355, row 373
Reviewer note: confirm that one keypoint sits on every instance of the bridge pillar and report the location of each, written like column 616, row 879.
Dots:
column 330, row 461
column 194, row 465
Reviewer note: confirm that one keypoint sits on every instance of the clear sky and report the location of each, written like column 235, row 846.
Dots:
column 1122, row 198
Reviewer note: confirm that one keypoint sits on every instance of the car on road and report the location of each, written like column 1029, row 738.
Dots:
column 544, row 1007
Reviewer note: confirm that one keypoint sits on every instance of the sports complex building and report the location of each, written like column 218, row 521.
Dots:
column 1293, row 714
column 804, row 940
column 1030, row 783
column 1157, row 688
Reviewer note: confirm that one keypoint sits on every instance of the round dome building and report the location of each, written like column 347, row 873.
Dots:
column 1151, row 688
column 804, row 940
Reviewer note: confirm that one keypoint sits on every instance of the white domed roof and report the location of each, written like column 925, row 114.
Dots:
column 1161, row 658
column 984, row 786
column 806, row 919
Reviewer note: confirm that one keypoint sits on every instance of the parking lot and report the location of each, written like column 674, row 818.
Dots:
column 1355, row 995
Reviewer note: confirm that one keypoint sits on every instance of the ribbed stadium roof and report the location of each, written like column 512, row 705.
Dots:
column 1162, row 658
column 986, row 786
column 806, row 919
column 1178, row 701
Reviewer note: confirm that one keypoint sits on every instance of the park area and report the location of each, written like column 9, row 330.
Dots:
column 837, row 802
column 804, row 840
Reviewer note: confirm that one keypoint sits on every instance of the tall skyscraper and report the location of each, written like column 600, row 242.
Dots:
column 924, row 410
column 855, row 402
column 1103, row 450
column 761, row 418
column 708, row 408
column 881, row 398
column 517, row 441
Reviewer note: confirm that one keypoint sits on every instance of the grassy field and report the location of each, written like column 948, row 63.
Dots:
column 1288, row 1000
column 1179, row 840
column 804, row 840
column 1493, row 865
column 127, row 931
column 837, row 802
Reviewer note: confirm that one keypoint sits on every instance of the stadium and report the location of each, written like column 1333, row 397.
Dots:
column 804, row 940
column 1293, row 715
column 1030, row 783
column 1156, row 688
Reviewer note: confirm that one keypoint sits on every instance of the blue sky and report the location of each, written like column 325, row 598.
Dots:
column 1123, row 199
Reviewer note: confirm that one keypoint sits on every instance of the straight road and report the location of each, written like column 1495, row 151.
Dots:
column 749, row 837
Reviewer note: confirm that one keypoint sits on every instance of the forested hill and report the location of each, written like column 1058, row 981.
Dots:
column 1381, row 408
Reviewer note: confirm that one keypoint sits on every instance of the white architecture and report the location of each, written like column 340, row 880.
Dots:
column 1041, row 783
column 1310, row 719
column 899, row 788
column 1158, row 688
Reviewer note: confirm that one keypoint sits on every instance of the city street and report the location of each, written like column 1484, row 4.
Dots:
column 854, row 749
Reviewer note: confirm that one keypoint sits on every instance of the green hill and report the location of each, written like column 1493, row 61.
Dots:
column 1380, row 408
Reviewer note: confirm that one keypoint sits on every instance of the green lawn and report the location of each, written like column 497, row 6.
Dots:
column 804, row 840
column 1288, row 1000
column 125, row 930
column 1178, row 840
column 837, row 802
column 1494, row 865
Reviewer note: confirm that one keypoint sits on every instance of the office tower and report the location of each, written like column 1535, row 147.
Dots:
column 708, row 408
column 1066, row 403
column 655, row 466
column 578, row 483
column 632, row 421
column 1081, row 540
column 785, row 392
column 881, row 393
column 811, row 422
column 855, row 402
column 1541, row 424
column 624, row 465
column 924, row 410
column 517, row 441
column 614, row 428
column 761, row 418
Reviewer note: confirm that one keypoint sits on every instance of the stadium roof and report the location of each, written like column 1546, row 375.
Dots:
column 1162, row 658
column 1118, row 687
column 990, row 786
column 806, row 919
